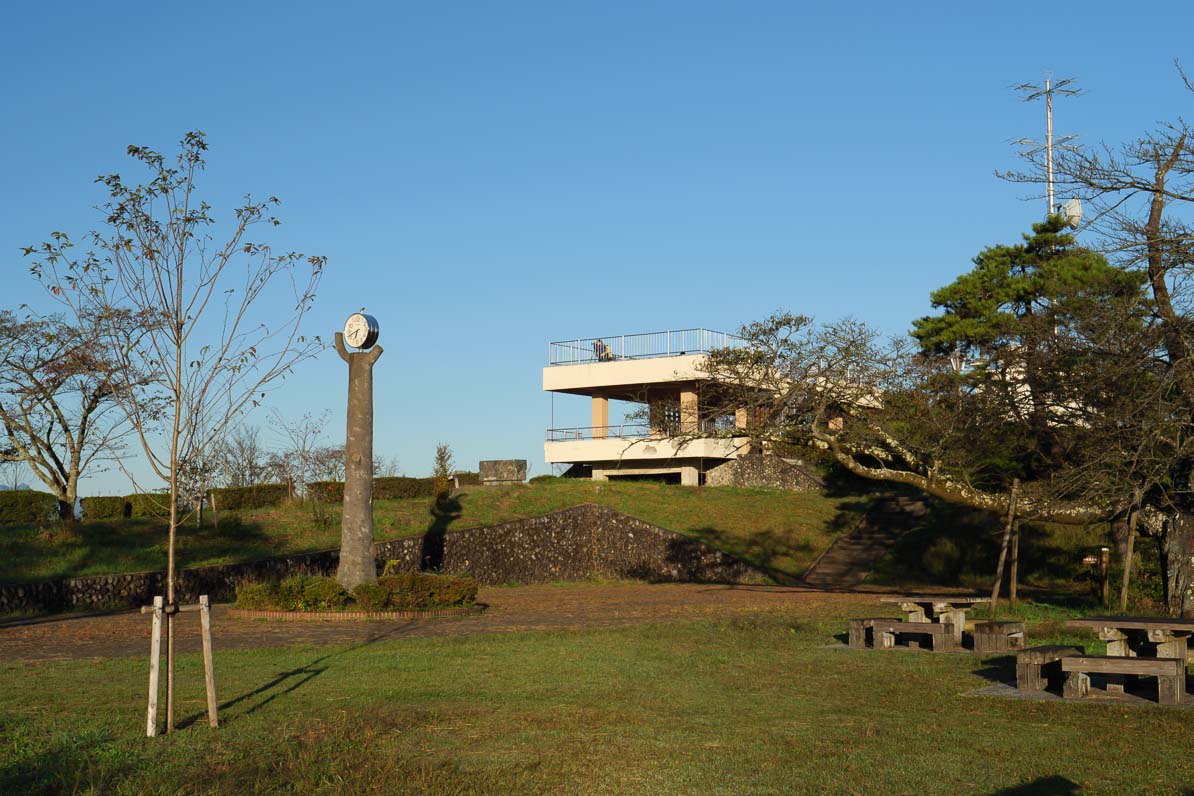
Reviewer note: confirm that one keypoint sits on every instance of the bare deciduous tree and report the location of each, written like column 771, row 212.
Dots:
column 56, row 406
column 220, row 319
column 300, row 460
column 241, row 458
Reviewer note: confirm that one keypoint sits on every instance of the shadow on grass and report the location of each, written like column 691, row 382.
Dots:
column 688, row 559
column 772, row 552
column 98, row 547
column 1045, row 786
column 60, row 765
column 287, row 682
column 1001, row 669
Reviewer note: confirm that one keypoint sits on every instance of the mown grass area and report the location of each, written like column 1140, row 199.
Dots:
column 780, row 531
column 762, row 704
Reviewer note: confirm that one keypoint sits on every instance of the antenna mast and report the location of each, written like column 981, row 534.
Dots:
column 1032, row 93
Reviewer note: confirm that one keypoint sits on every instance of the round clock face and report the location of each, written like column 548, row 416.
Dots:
column 360, row 330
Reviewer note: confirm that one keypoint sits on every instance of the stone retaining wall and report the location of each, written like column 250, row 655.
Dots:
column 571, row 544
column 772, row 472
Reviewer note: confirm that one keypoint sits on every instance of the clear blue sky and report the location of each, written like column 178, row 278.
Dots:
column 486, row 177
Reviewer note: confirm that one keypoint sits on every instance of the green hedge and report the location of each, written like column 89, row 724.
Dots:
column 400, row 487
column 20, row 506
column 465, row 478
column 418, row 590
column 250, row 497
column 540, row 479
column 394, row 488
column 413, row 591
column 106, row 508
column 147, row 505
column 326, row 491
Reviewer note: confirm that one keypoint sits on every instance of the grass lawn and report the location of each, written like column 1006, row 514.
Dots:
column 782, row 531
column 755, row 705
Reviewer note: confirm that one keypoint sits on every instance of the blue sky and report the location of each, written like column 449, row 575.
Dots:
column 487, row 177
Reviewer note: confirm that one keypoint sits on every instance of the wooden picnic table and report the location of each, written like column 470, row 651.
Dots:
column 1128, row 636
column 937, row 608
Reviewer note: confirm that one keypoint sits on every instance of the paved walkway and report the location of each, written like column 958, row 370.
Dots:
column 510, row 609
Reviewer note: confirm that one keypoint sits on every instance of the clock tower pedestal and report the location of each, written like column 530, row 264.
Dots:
column 357, row 563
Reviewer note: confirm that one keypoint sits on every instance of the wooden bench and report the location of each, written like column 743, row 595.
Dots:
column 1035, row 664
column 862, row 633
column 1170, row 674
column 992, row 637
column 886, row 630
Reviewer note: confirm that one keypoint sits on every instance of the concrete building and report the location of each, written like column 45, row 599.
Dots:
column 660, row 372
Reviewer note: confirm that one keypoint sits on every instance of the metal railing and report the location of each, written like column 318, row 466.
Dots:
column 672, row 343
column 622, row 431
column 718, row 426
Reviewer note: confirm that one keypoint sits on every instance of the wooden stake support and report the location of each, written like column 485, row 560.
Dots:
column 209, row 675
column 155, row 665
column 160, row 610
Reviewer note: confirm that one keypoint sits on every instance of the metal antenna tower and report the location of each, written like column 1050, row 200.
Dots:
column 1033, row 92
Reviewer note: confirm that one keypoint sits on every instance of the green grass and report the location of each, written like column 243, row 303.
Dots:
column 781, row 531
column 956, row 546
column 751, row 705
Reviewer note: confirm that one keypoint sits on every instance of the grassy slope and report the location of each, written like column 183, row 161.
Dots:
column 782, row 531
column 956, row 546
column 745, row 706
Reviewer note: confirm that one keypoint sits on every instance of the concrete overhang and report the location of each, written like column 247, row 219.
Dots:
column 587, row 378
column 627, row 450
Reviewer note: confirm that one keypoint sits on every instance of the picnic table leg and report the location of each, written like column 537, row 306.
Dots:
column 1117, row 642
column 913, row 612
column 956, row 617
column 1172, row 647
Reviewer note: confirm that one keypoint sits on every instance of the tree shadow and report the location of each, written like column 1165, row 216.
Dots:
column 291, row 679
column 56, row 765
column 1044, row 786
column 97, row 548
column 769, row 551
column 445, row 510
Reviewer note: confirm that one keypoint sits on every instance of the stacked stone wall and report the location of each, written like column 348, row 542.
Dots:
column 572, row 544
column 770, row 472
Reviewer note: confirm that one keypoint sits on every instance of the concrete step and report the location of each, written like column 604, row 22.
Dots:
column 850, row 558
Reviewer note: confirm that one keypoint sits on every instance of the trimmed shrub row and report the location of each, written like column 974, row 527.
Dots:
column 250, row 497
column 414, row 591
column 105, row 507
column 19, row 506
column 139, row 506
column 395, row 488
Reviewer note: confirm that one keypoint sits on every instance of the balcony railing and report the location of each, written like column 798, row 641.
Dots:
column 623, row 431
column 713, row 426
column 671, row 343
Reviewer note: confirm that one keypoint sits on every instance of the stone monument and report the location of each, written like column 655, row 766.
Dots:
column 500, row 472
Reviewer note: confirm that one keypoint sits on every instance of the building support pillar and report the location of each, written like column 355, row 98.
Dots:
column 600, row 417
column 689, row 412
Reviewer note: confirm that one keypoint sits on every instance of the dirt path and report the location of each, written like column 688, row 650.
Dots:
column 511, row 609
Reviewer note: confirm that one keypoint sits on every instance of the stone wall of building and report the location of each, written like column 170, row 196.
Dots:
column 572, row 544
column 771, row 472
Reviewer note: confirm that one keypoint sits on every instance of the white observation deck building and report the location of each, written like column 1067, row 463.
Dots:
column 658, row 370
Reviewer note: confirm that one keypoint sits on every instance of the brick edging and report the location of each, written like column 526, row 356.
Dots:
column 323, row 616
